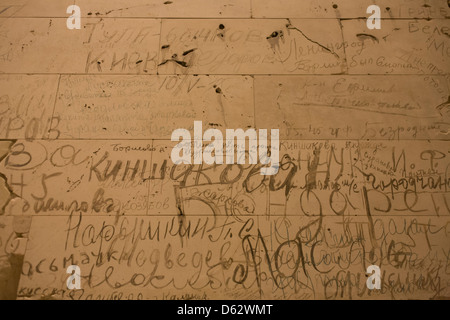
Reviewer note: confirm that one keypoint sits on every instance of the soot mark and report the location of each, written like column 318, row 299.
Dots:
column 189, row 51
column 181, row 63
column 275, row 34
column 221, row 29
column 274, row 39
column 364, row 36
column 166, row 46
column 175, row 60
column 220, row 95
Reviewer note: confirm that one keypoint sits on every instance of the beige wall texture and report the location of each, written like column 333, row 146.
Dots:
column 87, row 179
